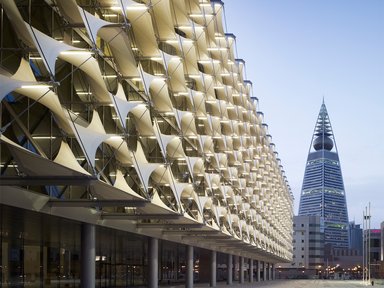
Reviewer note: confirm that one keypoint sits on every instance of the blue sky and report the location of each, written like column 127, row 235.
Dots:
column 298, row 52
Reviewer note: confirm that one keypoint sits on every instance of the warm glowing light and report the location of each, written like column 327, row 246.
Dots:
column 38, row 86
column 76, row 52
column 184, row 27
column 137, row 8
column 131, row 8
column 116, row 137
column 196, row 15
column 172, row 41
column 217, row 49
column 194, row 76
column 44, row 137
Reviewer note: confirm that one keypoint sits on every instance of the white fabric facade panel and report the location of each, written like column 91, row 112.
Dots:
column 164, row 114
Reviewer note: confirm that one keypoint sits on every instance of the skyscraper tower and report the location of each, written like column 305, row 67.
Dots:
column 323, row 193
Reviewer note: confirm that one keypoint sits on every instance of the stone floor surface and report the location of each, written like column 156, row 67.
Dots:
column 297, row 284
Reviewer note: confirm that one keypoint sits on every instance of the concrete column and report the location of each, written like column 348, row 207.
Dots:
column 241, row 276
column 274, row 272
column 229, row 269
column 236, row 266
column 88, row 256
column 269, row 271
column 153, row 262
column 189, row 278
column 251, row 270
column 264, row 271
column 258, row 271
column 213, row 268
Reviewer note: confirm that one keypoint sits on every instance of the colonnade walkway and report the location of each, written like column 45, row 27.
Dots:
column 312, row 283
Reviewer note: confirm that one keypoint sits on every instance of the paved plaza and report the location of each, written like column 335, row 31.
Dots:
column 315, row 283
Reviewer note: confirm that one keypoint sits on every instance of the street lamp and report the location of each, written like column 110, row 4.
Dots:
column 367, row 244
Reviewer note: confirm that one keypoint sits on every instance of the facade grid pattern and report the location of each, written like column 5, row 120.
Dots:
column 323, row 191
column 141, row 111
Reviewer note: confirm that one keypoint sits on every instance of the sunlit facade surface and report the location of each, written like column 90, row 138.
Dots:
column 323, row 192
column 133, row 121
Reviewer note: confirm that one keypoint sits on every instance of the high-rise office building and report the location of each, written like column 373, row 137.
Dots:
column 132, row 150
column 323, row 193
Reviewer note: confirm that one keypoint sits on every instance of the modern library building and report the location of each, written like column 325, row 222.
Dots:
column 132, row 150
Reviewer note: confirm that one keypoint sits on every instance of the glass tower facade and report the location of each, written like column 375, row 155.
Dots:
column 323, row 192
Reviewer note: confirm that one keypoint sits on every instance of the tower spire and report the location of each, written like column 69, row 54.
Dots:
column 323, row 193
column 323, row 135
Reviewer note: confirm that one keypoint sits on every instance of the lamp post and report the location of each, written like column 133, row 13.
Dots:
column 367, row 244
column 363, row 247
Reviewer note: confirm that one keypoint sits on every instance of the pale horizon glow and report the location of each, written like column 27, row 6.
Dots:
column 297, row 52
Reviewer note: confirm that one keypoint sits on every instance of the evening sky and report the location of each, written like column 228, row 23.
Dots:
column 299, row 51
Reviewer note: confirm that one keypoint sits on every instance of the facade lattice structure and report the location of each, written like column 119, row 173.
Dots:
column 139, row 109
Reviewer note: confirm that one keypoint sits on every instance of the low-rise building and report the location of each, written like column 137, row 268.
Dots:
column 382, row 241
column 372, row 241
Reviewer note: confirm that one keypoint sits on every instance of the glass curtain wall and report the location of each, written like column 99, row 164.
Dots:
column 121, row 258
column 172, row 262
column 222, row 260
column 40, row 250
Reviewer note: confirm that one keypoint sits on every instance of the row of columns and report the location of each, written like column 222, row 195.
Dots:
column 268, row 273
column 88, row 256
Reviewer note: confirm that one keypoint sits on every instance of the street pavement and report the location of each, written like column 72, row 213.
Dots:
column 315, row 283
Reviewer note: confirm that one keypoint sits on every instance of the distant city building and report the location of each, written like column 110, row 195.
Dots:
column 375, row 244
column 308, row 247
column 381, row 267
column 355, row 237
column 373, row 236
column 382, row 241
column 350, row 258
column 308, row 238
column 344, row 258
column 323, row 192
